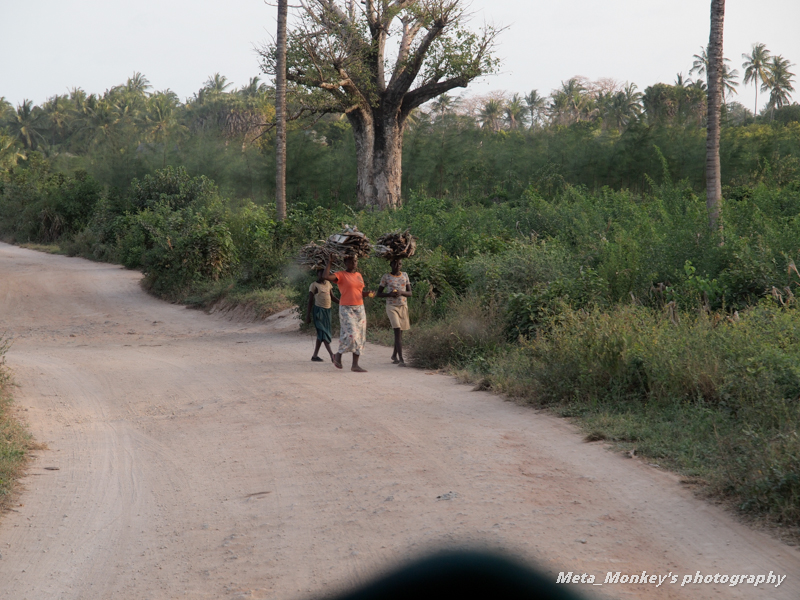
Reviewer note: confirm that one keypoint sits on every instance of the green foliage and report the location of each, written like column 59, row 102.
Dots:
column 37, row 205
column 14, row 440
column 177, row 248
column 171, row 187
column 527, row 313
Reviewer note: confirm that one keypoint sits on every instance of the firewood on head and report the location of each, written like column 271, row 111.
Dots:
column 350, row 242
column 396, row 244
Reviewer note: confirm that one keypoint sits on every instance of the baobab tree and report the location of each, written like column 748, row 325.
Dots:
column 714, row 72
column 338, row 54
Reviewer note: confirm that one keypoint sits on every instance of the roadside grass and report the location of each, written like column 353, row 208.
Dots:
column 14, row 440
column 48, row 248
column 713, row 399
column 228, row 294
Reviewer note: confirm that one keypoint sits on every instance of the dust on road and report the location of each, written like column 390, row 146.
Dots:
column 199, row 457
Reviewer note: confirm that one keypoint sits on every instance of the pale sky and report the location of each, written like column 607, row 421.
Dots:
column 50, row 46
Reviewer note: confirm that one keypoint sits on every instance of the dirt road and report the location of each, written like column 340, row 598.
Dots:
column 198, row 457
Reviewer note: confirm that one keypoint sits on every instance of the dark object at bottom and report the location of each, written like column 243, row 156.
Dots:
column 316, row 359
column 463, row 575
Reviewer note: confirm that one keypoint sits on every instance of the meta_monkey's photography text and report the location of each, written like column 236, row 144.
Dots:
column 671, row 578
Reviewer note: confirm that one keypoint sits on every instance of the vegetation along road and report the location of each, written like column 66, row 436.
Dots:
column 189, row 455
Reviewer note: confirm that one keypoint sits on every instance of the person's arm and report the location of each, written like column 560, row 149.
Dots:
column 326, row 274
column 382, row 293
column 310, row 305
column 407, row 291
column 334, row 298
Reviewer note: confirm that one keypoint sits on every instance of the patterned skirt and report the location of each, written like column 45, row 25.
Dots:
column 352, row 328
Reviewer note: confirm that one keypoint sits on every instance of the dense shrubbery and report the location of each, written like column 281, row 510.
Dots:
column 39, row 206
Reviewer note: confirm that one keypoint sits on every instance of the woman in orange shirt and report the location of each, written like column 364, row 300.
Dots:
column 352, row 317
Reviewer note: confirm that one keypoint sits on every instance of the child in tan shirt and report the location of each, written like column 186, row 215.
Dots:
column 319, row 308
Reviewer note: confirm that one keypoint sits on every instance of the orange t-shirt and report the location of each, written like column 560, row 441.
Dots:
column 350, row 286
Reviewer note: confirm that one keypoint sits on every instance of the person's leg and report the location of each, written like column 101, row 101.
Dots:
column 358, row 331
column 397, row 352
column 316, row 357
column 355, row 366
column 398, row 340
column 328, row 348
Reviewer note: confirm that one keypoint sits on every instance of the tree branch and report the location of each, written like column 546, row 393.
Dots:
column 406, row 72
column 428, row 91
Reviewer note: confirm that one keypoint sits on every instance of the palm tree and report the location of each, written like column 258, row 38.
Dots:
column 568, row 103
column 729, row 80
column 25, row 124
column 700, row 63
column 756, row 68
column 443, row 104
column 137, row 84
column 161, row 119
column 5, row 109
column 714, row 67
column 217, row 83
column 9, row 150
column 280, row 111
column 624, row 107
column 490, row 114
column 56, row 113
column 253, row 88
column 779, row 83
column 729, row 76
column 515, row 112
column 536, row 106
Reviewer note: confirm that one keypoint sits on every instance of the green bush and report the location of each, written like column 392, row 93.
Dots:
column 171, row 187
column 39, row 206
column 178, row 248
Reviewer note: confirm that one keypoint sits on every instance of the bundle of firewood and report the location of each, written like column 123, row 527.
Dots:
column 350, row 242
column 397, row 244
column 315, row 257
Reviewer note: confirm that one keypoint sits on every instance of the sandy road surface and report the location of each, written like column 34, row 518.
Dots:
column 203, row 458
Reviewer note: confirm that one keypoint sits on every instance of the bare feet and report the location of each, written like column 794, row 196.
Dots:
column 357, row 369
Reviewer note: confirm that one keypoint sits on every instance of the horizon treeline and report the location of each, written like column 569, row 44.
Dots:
column 591, row 133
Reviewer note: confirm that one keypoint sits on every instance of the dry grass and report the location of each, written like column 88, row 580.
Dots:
column 259, row 304
column 48, row 248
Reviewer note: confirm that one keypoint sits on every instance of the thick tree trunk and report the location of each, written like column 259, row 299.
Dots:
column 713, row 176
column 364, row 134
column 280, row 113
column 379, row 147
